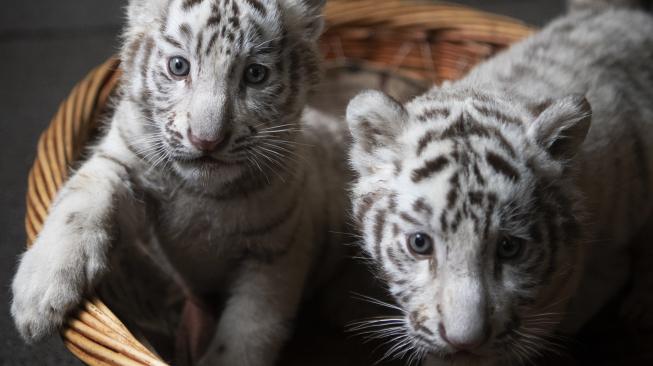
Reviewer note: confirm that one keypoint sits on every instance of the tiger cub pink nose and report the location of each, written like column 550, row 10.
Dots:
column 205, row 145
column 466, row 343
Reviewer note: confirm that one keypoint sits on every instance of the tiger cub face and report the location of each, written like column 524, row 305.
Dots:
column 467, row 209
column 218, row 84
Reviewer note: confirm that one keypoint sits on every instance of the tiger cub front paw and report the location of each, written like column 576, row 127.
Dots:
column 53, row 277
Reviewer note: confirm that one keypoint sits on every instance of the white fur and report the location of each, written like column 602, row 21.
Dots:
column 143, row 222
column 573, row 194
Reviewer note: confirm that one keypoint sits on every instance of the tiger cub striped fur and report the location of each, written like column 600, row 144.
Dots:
column 499, row 208
column 208, row 167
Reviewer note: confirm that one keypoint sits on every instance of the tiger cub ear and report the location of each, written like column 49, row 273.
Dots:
column 375, row 120
column 309, row 16
column 562, row 127
column 144, row 15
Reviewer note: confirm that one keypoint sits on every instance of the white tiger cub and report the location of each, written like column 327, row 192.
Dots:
column 499, row 208
column 206, row 159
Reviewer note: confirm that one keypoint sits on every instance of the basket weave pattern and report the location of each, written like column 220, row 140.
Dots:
column 422, row 40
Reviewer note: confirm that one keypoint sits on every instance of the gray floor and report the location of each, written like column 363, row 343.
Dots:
column 45, row 48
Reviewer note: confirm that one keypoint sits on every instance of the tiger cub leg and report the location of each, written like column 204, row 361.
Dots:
column 258, row 315
column 70, row 254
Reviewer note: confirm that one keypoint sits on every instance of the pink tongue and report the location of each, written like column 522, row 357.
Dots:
column 195, row 331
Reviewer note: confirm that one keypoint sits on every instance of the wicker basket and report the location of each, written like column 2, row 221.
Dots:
column 425, row 41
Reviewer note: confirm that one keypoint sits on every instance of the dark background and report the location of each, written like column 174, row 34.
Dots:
column 45, row 48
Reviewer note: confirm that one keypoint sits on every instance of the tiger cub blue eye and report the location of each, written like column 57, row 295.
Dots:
column 509, row 248
column 179, row 66
column 256, row 74
column 420, row 244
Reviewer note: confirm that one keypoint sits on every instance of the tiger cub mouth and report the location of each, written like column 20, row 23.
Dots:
column 208, row 161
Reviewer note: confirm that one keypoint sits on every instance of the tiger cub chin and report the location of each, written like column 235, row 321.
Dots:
column 499, row 209
column 206, row 173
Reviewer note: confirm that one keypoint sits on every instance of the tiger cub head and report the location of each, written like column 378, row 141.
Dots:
column 467, row 210
column 218, row 86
